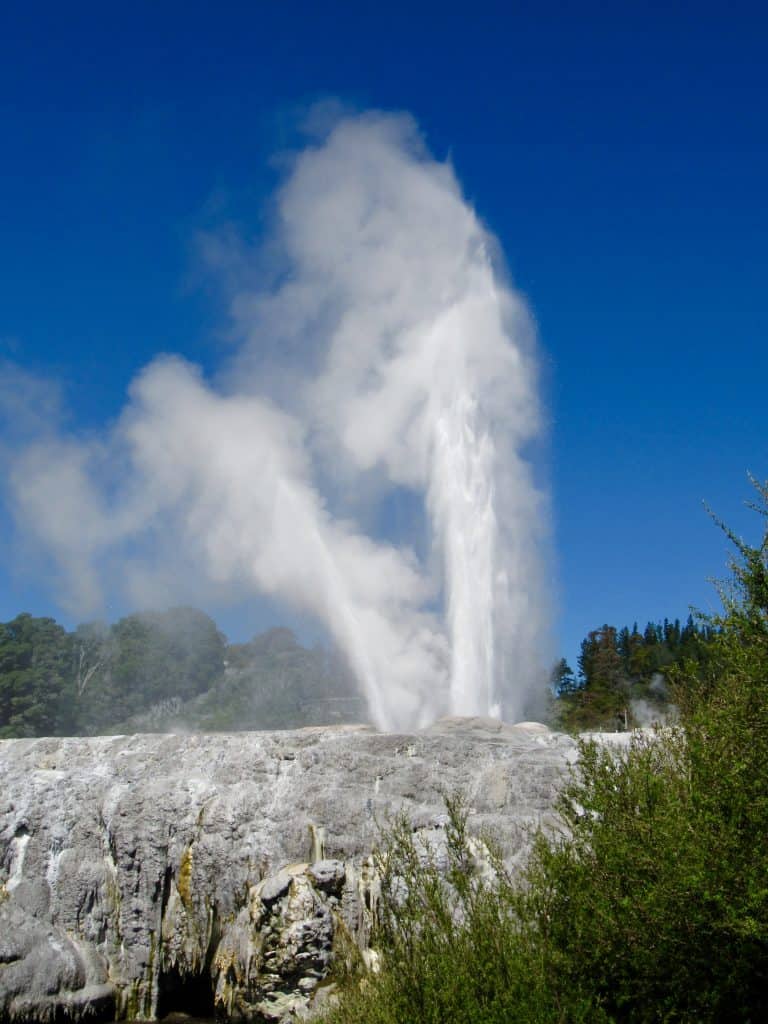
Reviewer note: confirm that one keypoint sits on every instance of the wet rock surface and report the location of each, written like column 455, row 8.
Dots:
column 212, row 874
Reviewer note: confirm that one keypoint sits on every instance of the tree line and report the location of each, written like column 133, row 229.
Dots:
column 622, row 679
column 163, row 670
column 155, row 670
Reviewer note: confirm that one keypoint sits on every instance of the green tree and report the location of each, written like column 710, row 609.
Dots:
column 562, row 679
column 600, row 701
column 274, row 682
column 35, row 678
column 145, row 659
column 745, row 597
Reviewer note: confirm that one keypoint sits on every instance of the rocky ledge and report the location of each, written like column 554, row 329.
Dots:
column 214, row 874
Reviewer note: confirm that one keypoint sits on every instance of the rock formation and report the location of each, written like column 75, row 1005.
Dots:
column 216, row 873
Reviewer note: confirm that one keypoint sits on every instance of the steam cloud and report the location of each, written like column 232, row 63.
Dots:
column 385, row 356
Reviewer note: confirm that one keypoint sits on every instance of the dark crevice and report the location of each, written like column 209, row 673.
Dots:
column 185, row 993
column 162, row 890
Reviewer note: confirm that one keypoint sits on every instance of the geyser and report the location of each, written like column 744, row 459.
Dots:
column 380, row 352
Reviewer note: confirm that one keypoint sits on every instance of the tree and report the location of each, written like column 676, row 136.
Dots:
column 745, row 600
column 146, row 659
column 273, row 682
column 562, row 679
column 92, row 651
column 35, row 672
column 599, row 701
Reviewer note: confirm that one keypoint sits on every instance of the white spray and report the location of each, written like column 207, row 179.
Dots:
column 399, row 360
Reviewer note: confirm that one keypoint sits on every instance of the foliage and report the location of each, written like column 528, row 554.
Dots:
column 35, row 656
column 622, row 679
column 452, row 945
column 167, row 670
column 143, row 660
column 273, row 682
column 652, row 905
column 562, row 680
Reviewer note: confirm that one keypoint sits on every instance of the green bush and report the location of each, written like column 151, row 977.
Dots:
column 452, row 942
column 652, row 905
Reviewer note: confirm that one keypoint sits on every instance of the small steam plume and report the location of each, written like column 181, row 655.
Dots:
column 385, row 355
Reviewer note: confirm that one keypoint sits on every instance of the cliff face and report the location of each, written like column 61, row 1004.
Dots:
column 151, row 873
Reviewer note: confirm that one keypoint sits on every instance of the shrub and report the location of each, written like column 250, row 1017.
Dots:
column 652, row 905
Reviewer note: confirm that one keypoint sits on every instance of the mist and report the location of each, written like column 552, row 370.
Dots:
column 380, row 352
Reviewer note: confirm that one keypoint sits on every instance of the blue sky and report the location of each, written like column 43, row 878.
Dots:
column 619, row 152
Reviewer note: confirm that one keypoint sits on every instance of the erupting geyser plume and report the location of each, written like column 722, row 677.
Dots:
column 385, row 355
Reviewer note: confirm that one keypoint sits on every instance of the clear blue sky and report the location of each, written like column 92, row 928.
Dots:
column 619, row 152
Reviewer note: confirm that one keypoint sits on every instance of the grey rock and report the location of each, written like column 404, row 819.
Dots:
column 145, row 874
column 45, row 974
column 328, row 875
column 275, row 887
